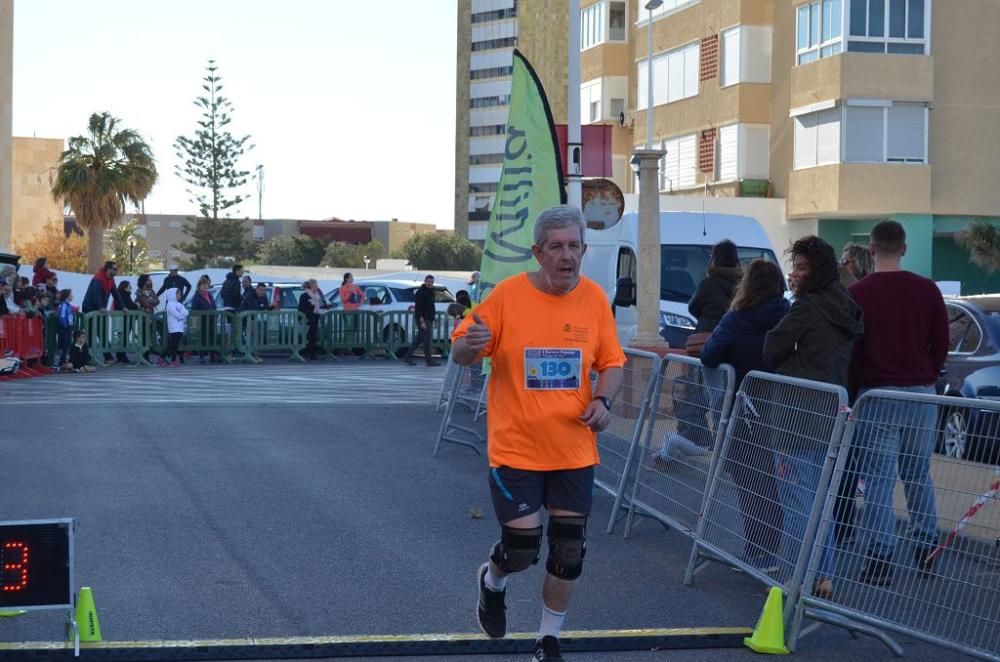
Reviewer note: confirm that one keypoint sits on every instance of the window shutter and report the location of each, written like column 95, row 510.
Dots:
column 828, row 136
column 660, row 80
column 755, row 160
column 906, row 131
column 688, row 162
column 641, row 93
column 730, row 57
column 864, row 135
column 675, row 81
column 691, row 71
column 728, row 138
column 805, row 141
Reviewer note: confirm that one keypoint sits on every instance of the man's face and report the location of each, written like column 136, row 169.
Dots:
column 239, row 272
column 112, row 270
column 560, row 256
column 798, row 280
column 51, row 281
column 261, row 292
column 429, row 282
column 247, row 282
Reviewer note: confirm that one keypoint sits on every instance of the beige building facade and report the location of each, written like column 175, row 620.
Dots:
column 6, row 122
column 846, row 111
column 488, row 32
column 32, row 206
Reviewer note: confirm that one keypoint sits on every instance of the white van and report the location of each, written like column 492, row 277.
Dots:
column 686, row 243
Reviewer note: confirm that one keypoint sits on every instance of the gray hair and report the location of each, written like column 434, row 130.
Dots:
column 557, row 218
column 862, row 256
column 8, row 269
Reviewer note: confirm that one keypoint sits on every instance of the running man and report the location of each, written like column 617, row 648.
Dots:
column 545, row 332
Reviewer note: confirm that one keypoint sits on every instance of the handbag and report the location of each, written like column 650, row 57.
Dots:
column 695, row 342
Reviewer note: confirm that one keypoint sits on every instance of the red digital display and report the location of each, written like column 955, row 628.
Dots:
column 14, row 566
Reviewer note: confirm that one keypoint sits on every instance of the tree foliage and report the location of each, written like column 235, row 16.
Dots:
column 292, row 250
column 448, row 252
column 62, row 252
column 210, row 167
column 128, row 248
column 98, row 174
column 352, row 256
column 982, row 239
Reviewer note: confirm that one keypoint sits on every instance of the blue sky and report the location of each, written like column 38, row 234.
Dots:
column 351, row 103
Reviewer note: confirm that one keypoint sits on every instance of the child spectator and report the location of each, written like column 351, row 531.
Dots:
column 66, row 323
column 42, row 272
column 177, row 316
column 146, row 297
column 79, row 354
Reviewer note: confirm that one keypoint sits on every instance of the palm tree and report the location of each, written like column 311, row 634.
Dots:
column 98, row 174
column 982, row 239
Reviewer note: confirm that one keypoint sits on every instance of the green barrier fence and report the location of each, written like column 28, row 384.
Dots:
column 350, row 330
column 128, row 332
column 52, row 336
column 399, row 330
column 206, row 332
column 267, row 331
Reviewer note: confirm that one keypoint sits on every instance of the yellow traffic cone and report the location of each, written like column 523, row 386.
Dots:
column 86, row 616
column 769, row 635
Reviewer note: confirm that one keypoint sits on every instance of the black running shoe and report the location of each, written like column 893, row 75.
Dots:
column 547, row 650
column 492, row 610
column 878, row 572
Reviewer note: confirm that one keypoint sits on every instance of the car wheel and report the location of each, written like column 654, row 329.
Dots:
column 954, row 434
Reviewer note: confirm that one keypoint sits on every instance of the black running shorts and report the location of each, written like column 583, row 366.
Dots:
column 518, row 492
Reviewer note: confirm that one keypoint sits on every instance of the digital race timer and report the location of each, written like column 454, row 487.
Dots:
column 36, row 564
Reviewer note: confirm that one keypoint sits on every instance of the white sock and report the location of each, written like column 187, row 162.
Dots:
column 551, row 623
column 493, row 582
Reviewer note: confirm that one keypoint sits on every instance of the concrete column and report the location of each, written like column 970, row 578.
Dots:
column 6, row 121
column 648, row 268
column 919, row 256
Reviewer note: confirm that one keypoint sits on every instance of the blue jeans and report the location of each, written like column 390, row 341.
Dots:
column 897, row 435
column 799, row 471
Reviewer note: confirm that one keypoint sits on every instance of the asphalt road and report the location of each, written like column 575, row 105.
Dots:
column 302, row 500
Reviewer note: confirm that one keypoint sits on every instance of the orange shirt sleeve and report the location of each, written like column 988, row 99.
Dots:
column 489, row 312
column 609, row 352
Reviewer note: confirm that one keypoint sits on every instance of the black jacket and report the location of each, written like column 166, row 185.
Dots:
column 423, row 303
column 739, row 338
column 231, row 296
column 712, row 298
column 306, row 308
column 815, row 339
column 198, row 302
column 79, row 356
column 251, row 302
column 178, row 281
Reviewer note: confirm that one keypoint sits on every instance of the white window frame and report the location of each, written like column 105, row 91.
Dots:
column 833, row 46
column 666, row 9
column 663, row 59
column 816, row 109
column 886, row 40
column 885, row 105
column 595, row 25
column 742, row 155
column 744, row 42
column 673, row 153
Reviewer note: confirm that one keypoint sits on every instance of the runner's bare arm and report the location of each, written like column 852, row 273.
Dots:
column 596, row 416
column 467, row 349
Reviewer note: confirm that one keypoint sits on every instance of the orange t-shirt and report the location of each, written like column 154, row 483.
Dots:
column 543, row 349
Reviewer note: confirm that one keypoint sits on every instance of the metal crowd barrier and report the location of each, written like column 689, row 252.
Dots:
column 206, row 332
column 617, row 442
column 688, row 415
column 23, row 336
column 350, row 330
column 769, row 483
column 451, row 432
column 270, row 331
column 119, row 332
column 918, row 552
column 398, row 330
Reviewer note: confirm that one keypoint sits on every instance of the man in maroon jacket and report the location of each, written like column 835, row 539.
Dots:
column 903, row 349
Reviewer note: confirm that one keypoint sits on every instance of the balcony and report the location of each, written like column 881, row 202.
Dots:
column 859, row 189
column 863, row 75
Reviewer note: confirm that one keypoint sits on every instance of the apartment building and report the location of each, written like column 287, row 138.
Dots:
column 488, row 32
column 848, row 111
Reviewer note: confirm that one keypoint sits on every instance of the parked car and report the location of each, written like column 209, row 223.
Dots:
column 395, row 296
column 972, row 370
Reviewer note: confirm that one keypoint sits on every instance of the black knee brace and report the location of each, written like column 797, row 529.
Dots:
column 567, row 546
column 517, row 549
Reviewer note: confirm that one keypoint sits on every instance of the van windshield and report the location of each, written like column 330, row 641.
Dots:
column 683, row 267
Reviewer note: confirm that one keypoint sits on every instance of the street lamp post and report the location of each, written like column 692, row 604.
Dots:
column 648, row 268
column 131, row 254
column 260, row 192
column 367, row 260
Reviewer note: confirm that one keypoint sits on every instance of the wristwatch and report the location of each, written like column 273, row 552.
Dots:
column 604, row 400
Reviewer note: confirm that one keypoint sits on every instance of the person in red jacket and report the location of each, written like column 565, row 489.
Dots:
column 903, row 349
column 42, row 272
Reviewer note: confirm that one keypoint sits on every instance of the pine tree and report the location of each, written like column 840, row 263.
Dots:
column 211, row 168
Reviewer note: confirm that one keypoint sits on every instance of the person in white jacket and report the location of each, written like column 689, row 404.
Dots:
column 177, row 316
